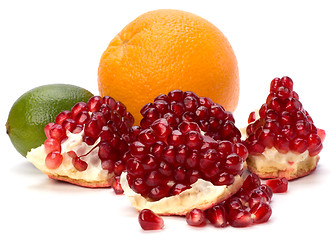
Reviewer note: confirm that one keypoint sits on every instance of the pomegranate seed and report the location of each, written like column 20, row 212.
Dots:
column 251, row 182
column 193, row 139
column 233, row 163
column 79, row 164
column 281, row 144
column 283, row 93
column 196, row 217
column 117, row 186
column 77, row 108
column 92, row 129
column 240, row 218
column 298, row 145
column 287, row 82
column 256, row 148
column 161, row 106
column 157, row 148
column 233, row 203
column 252, row 117
column 69, row 124
column 119, row 167
column 56, row 131
column 177, row 108
column 161, row 129
column 53, row 160
column 217, row 216
column 175, row 138
column 149, row 220
column 176, row 95
column 47, row 129
column 51, row 145
column 178, row 188
column 158, row 192
column 94, row 103
column 62, row 116
column 110, row 102
column 261, row 212
column 275, row 83
column 321, row 133
column 134, row 167
column 278, row 185
column 186, row 127
column 138, row 150
column 108, row 165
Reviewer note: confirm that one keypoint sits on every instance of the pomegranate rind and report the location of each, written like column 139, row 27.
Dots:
column 93, row 177
column 99, row 184
column 273, row 164
column 201, row 195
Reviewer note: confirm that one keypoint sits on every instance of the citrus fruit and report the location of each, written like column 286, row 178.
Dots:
column 34, row 109
column 164, row 50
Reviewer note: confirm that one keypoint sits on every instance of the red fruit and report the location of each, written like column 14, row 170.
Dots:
column 278, row 185
column 196, row 217
column 179, row 152
column 284, row 125
column 149, row 220
column 105, row 127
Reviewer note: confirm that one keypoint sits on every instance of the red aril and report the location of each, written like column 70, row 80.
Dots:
column 148, row 220
column 278, row 185
column 196, row 217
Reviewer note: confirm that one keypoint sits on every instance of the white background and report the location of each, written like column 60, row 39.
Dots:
column 61, row 42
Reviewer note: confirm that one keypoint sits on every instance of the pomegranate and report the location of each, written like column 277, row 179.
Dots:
column 282, row 138
column 187, row 154
column 86, row 146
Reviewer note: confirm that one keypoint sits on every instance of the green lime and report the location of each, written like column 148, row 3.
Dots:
column 38, row 107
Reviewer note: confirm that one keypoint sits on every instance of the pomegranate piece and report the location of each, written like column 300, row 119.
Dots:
column 148, row 220
column 196, row 217
column 286, row 127
column 93, row 135
column 278, row 185
column 187, row 137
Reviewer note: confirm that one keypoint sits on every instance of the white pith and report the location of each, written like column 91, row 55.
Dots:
column 202, row 194
column 89, row 154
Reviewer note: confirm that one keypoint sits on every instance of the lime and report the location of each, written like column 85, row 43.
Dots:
column 36, row 108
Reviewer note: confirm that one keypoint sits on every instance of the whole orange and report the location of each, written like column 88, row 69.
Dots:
column 164, row 50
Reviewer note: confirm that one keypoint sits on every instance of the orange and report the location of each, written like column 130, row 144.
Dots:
column 163, row 50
